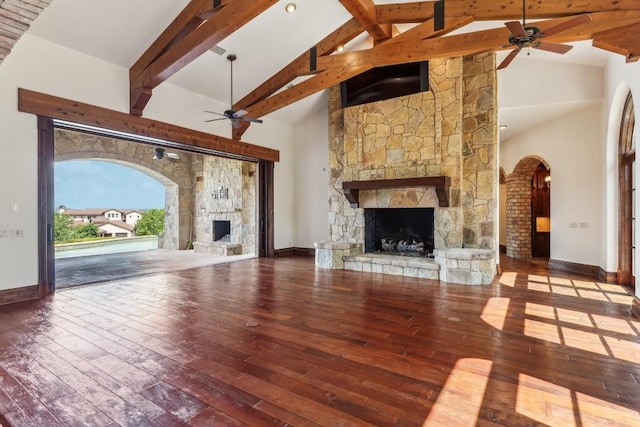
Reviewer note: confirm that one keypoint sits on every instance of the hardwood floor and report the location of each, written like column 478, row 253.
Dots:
column 277, row 342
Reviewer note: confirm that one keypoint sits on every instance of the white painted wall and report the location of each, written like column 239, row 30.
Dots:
column 311, row 172
column 619, row 78
column 572, row 145
column 46, row 67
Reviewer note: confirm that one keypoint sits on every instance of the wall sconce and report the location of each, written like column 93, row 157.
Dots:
column 221, row 193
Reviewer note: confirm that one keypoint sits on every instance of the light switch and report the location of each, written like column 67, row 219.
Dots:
column 14, row 207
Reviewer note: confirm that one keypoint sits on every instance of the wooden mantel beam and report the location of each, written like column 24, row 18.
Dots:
column 220, row 25
column 364, row 11
column 174, row 136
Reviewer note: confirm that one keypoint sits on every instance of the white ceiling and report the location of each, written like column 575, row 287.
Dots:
column 119, row 31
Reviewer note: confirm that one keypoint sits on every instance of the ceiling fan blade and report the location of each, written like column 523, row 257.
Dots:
column 239, row 113
column 213, row 112
column 578, row 20
column 554, row 47
column 509, row 58
column 516, row 28
column 215, row 120
column 236, row 124
column 250, row 119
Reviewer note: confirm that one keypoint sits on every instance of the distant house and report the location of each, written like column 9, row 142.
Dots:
column 111, row 222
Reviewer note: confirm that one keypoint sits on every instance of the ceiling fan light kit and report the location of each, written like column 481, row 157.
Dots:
column 234, row 116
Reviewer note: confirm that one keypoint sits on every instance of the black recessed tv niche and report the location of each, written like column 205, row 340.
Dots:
column 382, row 83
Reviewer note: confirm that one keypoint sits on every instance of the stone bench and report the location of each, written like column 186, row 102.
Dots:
column 466, row 266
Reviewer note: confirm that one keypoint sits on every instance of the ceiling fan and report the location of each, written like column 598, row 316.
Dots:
column 529, row 36
column 235, row 116
column 159, row 154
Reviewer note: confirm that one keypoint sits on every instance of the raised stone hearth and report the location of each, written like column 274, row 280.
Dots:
column 465, row 266
column 423, row 268
column 217, row 248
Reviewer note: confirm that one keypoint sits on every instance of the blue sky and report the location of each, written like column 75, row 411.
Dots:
column 83, row 184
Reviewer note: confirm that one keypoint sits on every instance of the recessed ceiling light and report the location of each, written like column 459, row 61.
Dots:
column 290, row 8
column 340, row 48
column 502, row 127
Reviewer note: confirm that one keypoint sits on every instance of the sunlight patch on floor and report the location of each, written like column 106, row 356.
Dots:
column 508, row 278
column 554, row 405
column 466, row 383
column 495, row 312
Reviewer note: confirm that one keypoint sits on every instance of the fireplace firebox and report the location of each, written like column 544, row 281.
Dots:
column 221, row 230
column 399, row 231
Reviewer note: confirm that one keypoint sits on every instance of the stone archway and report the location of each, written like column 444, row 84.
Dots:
column 518, row 207
column 177, row 176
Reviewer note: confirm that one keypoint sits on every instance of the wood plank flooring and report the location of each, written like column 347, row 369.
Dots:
column 275, row 342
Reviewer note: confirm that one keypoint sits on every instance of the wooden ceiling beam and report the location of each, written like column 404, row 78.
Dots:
column 469, row 43
column 364, row 11
column 339, row 67
column 308, row 87
column 209, row 33
column 623, row 40
column 329, row 44
column 487, row 10
column 171, row 135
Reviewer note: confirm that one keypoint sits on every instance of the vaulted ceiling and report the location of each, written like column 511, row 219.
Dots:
column 284, row 58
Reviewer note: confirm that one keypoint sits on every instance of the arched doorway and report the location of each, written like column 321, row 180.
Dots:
column 519, row 212
column 177, row 179
column 626, row 188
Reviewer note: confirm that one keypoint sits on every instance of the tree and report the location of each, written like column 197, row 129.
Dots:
column 63, row 228
column 151, row 223
column 86, row 230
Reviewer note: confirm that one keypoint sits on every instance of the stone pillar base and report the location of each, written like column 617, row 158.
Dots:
column 329, row 254
column 466, row 266
column 217, row 248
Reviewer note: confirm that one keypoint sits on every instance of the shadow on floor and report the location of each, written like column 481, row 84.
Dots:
column 100, row 268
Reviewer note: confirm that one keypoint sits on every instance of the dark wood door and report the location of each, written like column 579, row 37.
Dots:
column 626, row 244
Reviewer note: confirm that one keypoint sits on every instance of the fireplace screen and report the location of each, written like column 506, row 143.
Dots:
column 399, row 231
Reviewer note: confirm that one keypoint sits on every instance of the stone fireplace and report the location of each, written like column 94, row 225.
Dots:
column 226, row 206
column 434, row 150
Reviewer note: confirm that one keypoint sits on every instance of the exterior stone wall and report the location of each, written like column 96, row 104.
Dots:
column 450, row 130
column 177, row 176
column 238, row 180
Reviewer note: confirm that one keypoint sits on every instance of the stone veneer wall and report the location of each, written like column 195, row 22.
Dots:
column 240, row 208
column 450, row 130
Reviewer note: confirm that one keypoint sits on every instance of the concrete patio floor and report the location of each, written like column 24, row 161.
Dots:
column 100, row 268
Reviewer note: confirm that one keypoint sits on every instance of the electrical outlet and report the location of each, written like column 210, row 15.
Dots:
column 583, row 225
column 4, row 232
column 17, row 233
column 573, row 225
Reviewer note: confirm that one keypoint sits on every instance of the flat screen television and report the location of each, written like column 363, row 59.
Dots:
column 387, row 82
